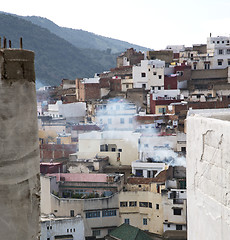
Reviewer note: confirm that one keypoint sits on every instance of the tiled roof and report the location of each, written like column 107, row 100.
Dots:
column 128, row 232
column 161, row 177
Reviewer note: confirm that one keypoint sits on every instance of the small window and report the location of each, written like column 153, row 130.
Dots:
column 228, row 51
column 133, row 204
column 150, row 205
column 194, row 66
column 71, row 213
column 126, row 220
column 178, row 227
column 67, row 230
column 217, row 42
column 55, row 210
column 51, row 227
column 159, row 76
column 143, row 74
column 159, row 88
column 96, row 233
column 122, row 120
column 220, row 51
column 48, row 227
column 220, row 62
column 146, row 145
column 154, row 73
column 145, row 221
column 127, row 85
column 113, row 149
column 168, row 225
column 143, row 204
column 123, row 204
column 222, row 41
column 177, row 211
column 157, row 206
column 119, row 150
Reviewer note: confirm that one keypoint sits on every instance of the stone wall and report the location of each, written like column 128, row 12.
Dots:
column 19, row 161
column 208, row 176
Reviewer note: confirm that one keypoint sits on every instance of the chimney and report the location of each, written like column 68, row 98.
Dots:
column 19, row 160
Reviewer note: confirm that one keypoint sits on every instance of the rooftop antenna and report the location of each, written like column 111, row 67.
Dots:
column 21, row 44
column 4, row 42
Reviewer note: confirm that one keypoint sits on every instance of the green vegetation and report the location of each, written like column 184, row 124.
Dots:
column 55, row 58
column 61, row 52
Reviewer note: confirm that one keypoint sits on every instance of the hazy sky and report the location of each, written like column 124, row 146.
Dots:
column 150, row 23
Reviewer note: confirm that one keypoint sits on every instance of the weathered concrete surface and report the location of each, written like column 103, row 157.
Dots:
column 19, row 153
column 208, row 175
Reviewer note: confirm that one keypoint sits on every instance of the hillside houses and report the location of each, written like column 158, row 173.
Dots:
column 129, row 123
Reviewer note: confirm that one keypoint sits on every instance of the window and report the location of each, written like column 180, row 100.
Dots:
column 168, row 225
column 55, row 210
column 71, row 213
column 178, row 227
column 154, row 73
column 194, row 66
column 119, row 150
column 143, row 204
column 159, row 76
column 109, row 121
column 139, row 173
column 222, row 41
column 96, row 233
column 123, row 204
column 162, row 110
column 145, row 221
column 228, row 61
column 113, row 149
column 126, row 220
column 67, row 230
column 228, row 51
column 143, row 74
column 159, row 88
column 127, row 85
column 144, row 85
column 51, row 227
column 146, row 145
column 157, row 206
column 177, row 211
column 206, row 66
column 109, row 213
column 220, row 51
column 93, row 214
column 217, row 42
column 219, row 61
column 48, row 227
column 150, row 205
column 133, row 204
column 130, row 120
column 122, row 120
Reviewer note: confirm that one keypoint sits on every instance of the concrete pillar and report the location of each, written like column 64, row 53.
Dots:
column 19, row 152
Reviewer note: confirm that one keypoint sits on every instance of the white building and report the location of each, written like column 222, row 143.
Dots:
column 149, row 74
column 120, row 146
column 71, row 228
column 208, row 174
column 147, row 169
column 71, row 111
column 218, row 52
column 116, row 115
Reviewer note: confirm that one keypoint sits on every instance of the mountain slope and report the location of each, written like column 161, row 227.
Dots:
column 84, row 39
column 55, row 58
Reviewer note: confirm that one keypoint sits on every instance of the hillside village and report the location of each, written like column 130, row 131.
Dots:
column 113, row 147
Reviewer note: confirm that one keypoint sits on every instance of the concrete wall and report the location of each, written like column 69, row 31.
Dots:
column 136, row 214
column 19, row 171
column 208, row 176
column 57, row 227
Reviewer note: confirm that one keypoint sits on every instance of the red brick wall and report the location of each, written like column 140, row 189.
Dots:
column 55, row 151
column 170, row 82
